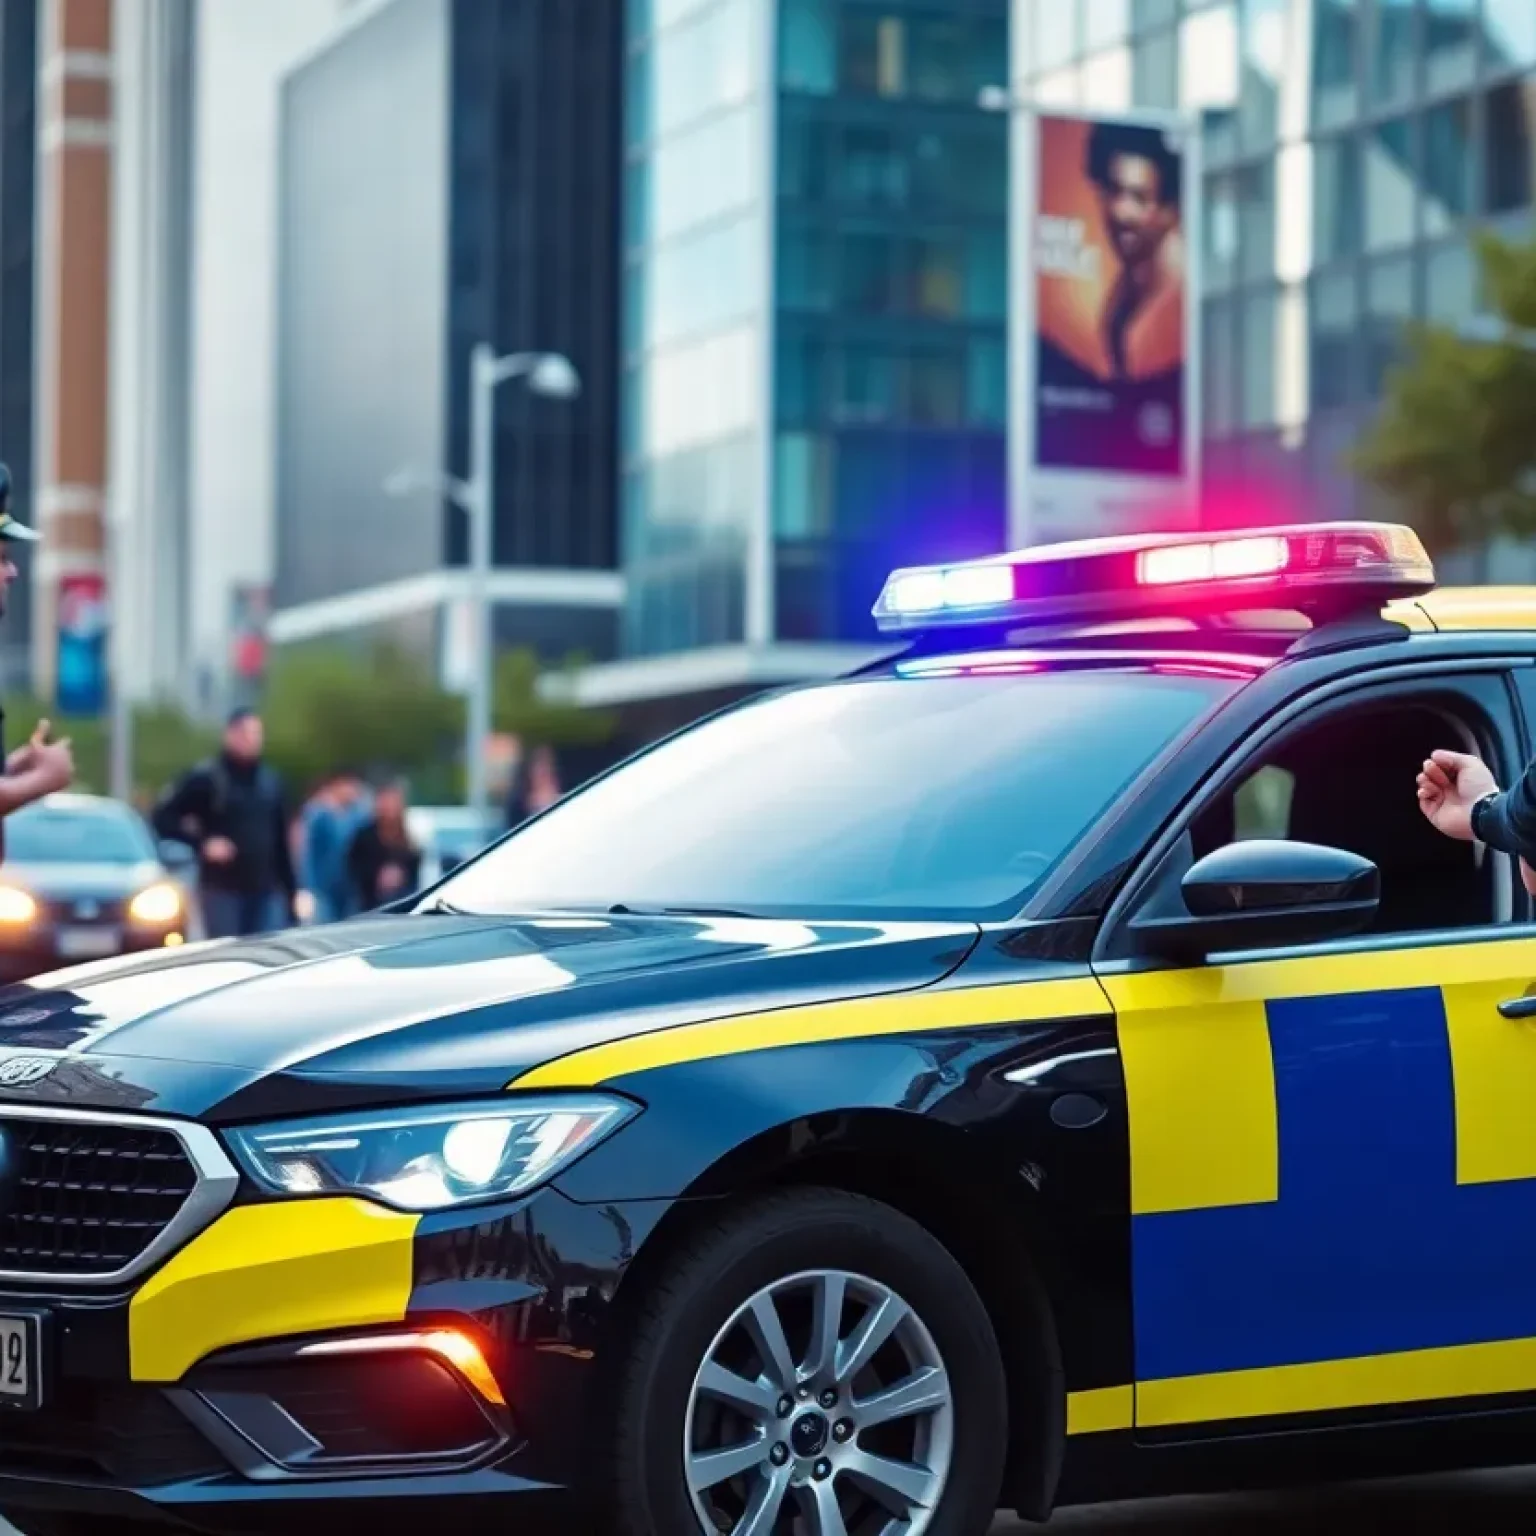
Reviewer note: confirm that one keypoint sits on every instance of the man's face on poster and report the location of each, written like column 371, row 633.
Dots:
column 1136, row 214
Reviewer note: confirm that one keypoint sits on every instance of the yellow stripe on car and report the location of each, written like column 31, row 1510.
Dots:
column 1104, row 1408
column 902, row 1013
column 271, row 1272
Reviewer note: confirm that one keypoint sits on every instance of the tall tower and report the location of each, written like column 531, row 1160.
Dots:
column 72, row 325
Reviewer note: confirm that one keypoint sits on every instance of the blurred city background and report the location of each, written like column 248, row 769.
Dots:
column 753, row 285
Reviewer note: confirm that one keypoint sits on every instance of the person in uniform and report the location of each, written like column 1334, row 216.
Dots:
column 1462, row 799
column 40, row 766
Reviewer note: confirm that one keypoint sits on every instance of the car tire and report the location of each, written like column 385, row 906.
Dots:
column 703, row 1320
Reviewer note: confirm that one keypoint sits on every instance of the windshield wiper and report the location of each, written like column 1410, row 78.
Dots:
column 623, row 909
column 442, row 907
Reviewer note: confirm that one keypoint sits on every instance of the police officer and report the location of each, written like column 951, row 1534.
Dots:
column 233, row 808
column 1461, row 798
column 41, row 766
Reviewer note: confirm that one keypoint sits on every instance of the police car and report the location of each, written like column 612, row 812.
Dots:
column 1059, row 1062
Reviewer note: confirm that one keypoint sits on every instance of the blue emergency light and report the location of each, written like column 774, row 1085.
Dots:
column 1317, row 568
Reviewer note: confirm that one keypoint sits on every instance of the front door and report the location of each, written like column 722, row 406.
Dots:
column 1333, row 1153
column 1333, row 1181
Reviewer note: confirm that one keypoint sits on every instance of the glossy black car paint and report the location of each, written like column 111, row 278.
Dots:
column 1010, row 1140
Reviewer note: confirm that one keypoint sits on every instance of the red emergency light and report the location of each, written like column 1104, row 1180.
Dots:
column 1317, row 568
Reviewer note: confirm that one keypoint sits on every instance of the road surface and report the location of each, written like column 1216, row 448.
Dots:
column 1473, row 1504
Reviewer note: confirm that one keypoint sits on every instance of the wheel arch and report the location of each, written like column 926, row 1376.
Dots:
column 942, row 1177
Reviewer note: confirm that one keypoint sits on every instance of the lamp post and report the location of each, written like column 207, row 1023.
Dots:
column 552, row 375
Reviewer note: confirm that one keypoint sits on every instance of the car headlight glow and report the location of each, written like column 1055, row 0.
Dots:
column 431, row 1156
column 156, row 904
column 16, row 906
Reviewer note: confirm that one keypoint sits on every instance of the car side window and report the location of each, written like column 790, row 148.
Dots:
column 1348, row 781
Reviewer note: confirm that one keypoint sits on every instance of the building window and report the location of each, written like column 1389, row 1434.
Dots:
column 1055, row 35
column 1222, row 239
column 1336, row 194
column 1221, row 381
column 1509, row 34
column 866, row 385
column 1390, row 188
column 1334, row 338
column 874, row 53
column 1155, row 71
column 988, row 391
column 1256, row 220
column 1393, row 54
column 1509, row 148
column 1335, row 41
column 1389, row 308
column 1106, row 23
column 807, row 47
column 943, row 67
column 935, row 386
column 1260, row 358
column 1448, row 182
column 1451, row 33
column 1210, row 77
column 1264, row 50
column 1107, row 81
column 802, row 486
column 805, row 274
column 1450, row 285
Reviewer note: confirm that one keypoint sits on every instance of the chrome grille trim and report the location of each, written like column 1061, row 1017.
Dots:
column 216, row 1181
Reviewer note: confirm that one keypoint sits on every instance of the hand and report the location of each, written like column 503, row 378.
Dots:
column 391, row 877
column 54, row 764
column 219, row 850
column 1450, row 785
column 1528, row 878
column 24, row 758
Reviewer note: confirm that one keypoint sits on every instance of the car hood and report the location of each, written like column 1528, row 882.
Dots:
column 420, row 1006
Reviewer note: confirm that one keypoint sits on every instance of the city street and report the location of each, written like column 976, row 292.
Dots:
column 1473, row 1504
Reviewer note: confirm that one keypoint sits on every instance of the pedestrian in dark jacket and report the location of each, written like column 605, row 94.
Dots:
column 384, row 863
column 233, row 811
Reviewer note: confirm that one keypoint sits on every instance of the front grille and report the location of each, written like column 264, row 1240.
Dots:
column 128, row 1436
column 85, row 1197
column 84, row 909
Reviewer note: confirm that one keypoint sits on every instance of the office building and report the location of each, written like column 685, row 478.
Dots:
column 449, row 174
column 815, row 327
column 18, row 235
column 1350, row 149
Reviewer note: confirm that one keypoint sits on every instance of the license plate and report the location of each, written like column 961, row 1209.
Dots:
column 20, row 1364
column 82, row 943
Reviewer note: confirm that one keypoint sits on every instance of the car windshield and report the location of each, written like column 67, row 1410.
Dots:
column 54, row 835
column 935, row 798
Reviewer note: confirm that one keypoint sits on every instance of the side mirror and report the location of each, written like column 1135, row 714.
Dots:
column 1264, row 894
column 177, row 856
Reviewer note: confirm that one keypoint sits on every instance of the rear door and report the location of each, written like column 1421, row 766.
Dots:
column 1333, row 1151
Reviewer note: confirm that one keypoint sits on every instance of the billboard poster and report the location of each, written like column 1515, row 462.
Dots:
column 1106, row 377
column 81, row 683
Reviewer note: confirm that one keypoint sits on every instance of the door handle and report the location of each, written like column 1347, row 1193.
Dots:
column 1519, row 1007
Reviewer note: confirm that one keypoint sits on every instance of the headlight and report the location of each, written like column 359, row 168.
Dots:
column 157, row 904
column 16, row 906
column 426, row 1158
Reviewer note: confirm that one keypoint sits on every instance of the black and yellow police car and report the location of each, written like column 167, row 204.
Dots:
column 1058, row 1062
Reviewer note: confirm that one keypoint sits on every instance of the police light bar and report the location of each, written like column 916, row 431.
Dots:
column 1318, row 568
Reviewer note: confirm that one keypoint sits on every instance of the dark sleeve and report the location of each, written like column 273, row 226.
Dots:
column 283, row 864
column 1508, row 821
column 359, row 864
column 188, row 801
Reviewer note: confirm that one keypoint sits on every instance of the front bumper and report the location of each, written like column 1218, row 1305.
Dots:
column 199, row 1395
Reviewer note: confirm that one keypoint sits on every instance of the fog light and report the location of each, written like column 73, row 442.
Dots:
column 451, row 1345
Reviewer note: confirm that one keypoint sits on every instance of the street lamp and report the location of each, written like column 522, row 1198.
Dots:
column 554, row 376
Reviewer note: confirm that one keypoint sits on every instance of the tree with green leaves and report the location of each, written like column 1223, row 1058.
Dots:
column 1455, row 443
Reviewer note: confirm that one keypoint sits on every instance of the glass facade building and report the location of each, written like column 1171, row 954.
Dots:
column 450, row 174
column 1350, row 147
column 18, row 241
column 815, row 310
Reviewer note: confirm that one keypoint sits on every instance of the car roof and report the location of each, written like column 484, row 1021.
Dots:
column 1458, row 609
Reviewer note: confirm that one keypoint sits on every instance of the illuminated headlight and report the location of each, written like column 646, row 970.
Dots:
column 16, row 906
column 157, row 904
column 426, row 1158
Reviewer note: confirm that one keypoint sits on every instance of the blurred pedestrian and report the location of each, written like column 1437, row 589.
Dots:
column 233, row 810
column 384, row 862
column 330, row 821
column 535, row 785
column 41, row 767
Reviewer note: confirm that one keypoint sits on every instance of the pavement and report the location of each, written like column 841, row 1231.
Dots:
column 1470, row 1504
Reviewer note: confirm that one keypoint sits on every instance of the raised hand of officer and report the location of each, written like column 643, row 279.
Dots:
column 1450, row 784
column 25, row 755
